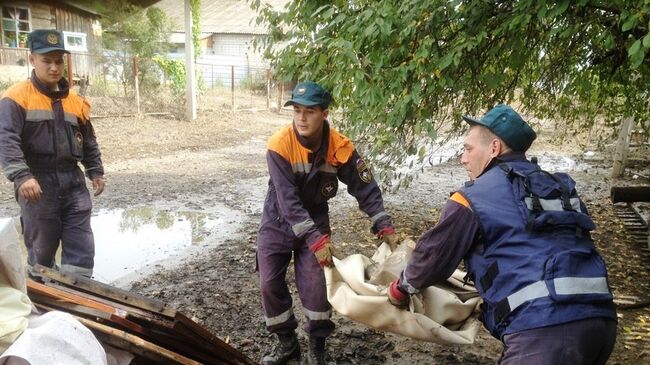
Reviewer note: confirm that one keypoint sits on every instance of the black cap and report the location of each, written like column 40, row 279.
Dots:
column 45, row 41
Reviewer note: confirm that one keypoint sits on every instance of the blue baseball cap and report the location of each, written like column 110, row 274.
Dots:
column 508, row 125
column 309, row 93
column 43, row 41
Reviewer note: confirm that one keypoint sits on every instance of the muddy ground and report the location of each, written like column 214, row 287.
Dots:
column 219, row 160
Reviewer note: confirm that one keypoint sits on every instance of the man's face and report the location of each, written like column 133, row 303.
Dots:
column 309, row 120
column 478, row 150
column 48, row 67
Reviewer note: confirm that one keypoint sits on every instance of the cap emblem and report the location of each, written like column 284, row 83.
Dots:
column 301, row 91
column 52, row 38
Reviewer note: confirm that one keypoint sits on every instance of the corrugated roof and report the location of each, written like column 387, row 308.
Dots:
column 220, row 16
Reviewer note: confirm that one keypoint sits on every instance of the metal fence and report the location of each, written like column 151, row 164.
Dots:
column 109, row 81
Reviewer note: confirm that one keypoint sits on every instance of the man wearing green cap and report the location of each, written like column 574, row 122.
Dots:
column 45, row 131
column 306, row 160
column 524, row 236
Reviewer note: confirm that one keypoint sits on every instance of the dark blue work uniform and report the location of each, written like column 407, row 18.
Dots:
column 43, row 135
column 544, row 286
column 296, row 215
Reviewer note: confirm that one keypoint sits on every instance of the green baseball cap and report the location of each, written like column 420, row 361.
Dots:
column 508, row 125
column 43, row 41
column 309, row 93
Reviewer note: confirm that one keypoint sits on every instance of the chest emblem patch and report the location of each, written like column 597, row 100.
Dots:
column 79, row 138
column 364, row 172
column 329, row 189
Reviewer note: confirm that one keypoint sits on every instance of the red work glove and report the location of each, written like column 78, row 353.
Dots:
column 323, row 250
column 396, row 296
column 389, row 236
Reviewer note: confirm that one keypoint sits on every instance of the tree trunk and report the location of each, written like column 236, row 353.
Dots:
column 622, row 147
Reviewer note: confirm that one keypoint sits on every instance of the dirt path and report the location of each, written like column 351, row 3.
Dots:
column 219, row 160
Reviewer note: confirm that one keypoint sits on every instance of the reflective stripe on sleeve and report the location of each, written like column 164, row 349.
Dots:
column 14, row 168
column 376, row 217
column 303, row 226
column 279, row 319
column 317, row 316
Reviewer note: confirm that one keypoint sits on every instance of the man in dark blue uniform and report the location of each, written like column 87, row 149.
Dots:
column 524, row 236
column 306, row 160
column 45, row 131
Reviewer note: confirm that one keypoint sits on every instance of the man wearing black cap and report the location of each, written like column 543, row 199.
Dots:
column 45, row 131
column 306, row 160
column 524, row 236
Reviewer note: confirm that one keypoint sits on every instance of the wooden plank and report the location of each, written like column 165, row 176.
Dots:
column 166, row 336
column 41, row 289
column 107, row 291
column 192, row 329
column 135, row 343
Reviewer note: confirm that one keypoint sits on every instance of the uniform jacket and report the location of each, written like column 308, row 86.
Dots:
column 534, row 267
column 514, row 267
column 46, row 131
column 301, row 182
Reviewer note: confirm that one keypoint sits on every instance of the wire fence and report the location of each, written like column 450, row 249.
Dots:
column 110, row 81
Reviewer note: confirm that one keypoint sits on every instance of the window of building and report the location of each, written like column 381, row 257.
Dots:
column 74, row 41
column 16, row 25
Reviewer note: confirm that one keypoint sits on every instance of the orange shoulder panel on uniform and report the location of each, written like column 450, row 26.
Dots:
column 77, row 105
column 285, row 143
column 340, row 148
column 25, row 94
column 460, row 199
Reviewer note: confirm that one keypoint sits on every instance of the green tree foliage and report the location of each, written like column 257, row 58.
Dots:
column 401, row 70
column 196, row 27
column 131, row 31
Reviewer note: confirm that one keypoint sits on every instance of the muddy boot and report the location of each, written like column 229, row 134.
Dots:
column 286, row 349
column 316, row 354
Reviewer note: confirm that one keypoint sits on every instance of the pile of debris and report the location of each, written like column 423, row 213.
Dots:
column 146, row 328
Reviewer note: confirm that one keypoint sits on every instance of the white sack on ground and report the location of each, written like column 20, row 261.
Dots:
column 55, row 338
column 26, row 338
column 444, row 314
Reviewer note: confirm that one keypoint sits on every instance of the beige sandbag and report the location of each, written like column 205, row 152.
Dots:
column 445, row 314
column 15, row 306
column 14, row 309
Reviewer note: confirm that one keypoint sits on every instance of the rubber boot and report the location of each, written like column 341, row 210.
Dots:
column 286, row 349
column 316, row 354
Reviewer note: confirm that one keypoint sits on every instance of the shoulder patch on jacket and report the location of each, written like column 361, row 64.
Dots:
column 460, row 199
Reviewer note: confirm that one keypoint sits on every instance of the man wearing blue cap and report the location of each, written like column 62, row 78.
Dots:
column 306, row 160
column 45, row 132
column 524, row 236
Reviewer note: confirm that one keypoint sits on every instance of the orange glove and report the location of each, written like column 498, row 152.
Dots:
column 396, row 296
column 389, row 236
column 323, row 250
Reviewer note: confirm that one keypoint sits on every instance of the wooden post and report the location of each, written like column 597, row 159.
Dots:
column 69, row 59
column 622, row 147
column 136, row 83
column 268, row 89
column 280, row 96
column 232, row 86
column 189, row 64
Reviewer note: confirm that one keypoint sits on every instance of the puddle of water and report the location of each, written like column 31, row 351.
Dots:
column 129, row 240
